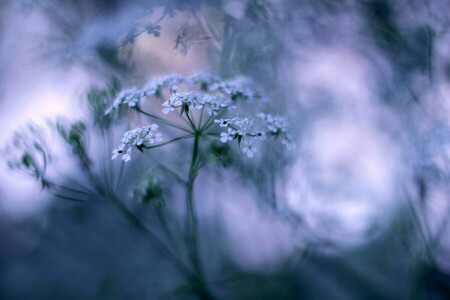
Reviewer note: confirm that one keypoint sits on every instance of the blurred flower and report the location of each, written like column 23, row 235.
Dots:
column 155, row 86
column 204, row 79
column 239, row 88
column 129, row 97
column 249, row 149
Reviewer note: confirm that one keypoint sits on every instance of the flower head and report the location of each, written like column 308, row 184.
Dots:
column 138, row 138
column 192, row 100
column 155, row 86
column 129, row 97
column 239, row 88
column 275, row 124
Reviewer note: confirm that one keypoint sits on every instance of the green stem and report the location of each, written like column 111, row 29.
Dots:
column 172, row 173
column 200, row 118
column 192, row 223
column 166, row 228
column 171, row 141
column 190, row 207
column 161, row 247
column 202, row 129
column 191, row 122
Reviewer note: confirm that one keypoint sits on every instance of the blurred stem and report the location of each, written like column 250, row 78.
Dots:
column 166, row 228
column 172, row 173
column 207, row 31
column 227, row 46
column 140, row 226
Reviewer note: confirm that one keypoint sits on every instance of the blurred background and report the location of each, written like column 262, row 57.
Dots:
column 358, row 209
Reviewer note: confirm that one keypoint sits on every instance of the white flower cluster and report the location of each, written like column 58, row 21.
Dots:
column 192, row 100
column 277, row 126
column 132, row 96
column 128, row 97
column 155, row 86
column 241, row 129
column 245, row 129
column 238, row 88
column 138, row 138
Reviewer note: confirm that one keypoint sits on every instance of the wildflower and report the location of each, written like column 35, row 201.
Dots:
column 227, row 136
column 242, row 125
column 249, row 149
column 238, row 88
column 275, row 124
column 116, row 153
column 155, row 86
column 278, row 127
column 138, row 138
column 223, row 122
column 260, row 135
column 129, row 97
column 193, row 100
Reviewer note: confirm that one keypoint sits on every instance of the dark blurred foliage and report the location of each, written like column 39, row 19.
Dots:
column 83, row 247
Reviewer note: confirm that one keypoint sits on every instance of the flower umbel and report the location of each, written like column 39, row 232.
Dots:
column 129, row 97
column 138, row 138
column 192, row 100
column 208, row 94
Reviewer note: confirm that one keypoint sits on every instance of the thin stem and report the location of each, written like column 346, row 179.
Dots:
column 70, row 189
column 162, row 120
column 173, row 174
column 192, row 224
column 139, row 225
column 171, row 141
column 119, row 176
column 191, row 122
column 166, row 228
column 201, row 118
column 161, row 247
column 206, row 123
column 69, row 198
column 210, row 121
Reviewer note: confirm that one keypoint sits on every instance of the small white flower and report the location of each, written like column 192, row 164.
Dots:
column 223, row 122
column 167, row 109
column 136, row 139
column 249, row 149
column 260, row 135
column 154, row 127
column 195, row 100
column 127, row 156
column 129, row 97
column 227, row 136
column 154, row 137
